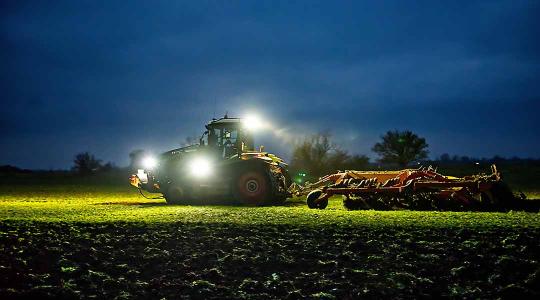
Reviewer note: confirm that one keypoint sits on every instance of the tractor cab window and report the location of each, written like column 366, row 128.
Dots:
column 203, row 141
column 225, row 140
column 213, row 135
column 230, row 138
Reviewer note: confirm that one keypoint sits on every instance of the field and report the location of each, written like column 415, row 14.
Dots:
column 105, row 241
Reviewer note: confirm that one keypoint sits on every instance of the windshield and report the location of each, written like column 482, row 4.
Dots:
column 203, row 141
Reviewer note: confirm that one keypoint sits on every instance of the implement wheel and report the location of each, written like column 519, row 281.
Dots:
column 313, row 196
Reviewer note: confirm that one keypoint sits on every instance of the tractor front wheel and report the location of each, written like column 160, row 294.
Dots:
column 175, row 194
column 252, row 188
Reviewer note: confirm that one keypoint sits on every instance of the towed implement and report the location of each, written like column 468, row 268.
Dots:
column 416, row 189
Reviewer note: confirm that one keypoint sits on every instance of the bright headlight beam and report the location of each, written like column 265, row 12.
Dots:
column 149, row 162
column 252, row 122
column 200, row 167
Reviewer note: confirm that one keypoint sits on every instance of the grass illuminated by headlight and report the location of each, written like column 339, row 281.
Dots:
column 117, row 204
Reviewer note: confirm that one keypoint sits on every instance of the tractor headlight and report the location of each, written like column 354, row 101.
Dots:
column 253, row 122
column 149, row 162
column 200, row 167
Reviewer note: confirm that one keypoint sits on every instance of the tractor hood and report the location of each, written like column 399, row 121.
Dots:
column 269, row 157
column 179, row 151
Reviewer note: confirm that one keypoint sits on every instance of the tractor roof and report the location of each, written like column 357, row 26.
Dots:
column 223, row 122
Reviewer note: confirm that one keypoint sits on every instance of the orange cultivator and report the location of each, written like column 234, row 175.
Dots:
column 419, row 189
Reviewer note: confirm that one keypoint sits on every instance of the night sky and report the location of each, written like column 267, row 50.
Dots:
column 112, row 77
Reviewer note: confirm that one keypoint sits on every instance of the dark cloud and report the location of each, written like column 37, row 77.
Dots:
column 111, row 77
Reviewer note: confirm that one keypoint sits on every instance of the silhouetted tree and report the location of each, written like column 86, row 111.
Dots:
column 311, row 155
column 109, row 166
column 357, row 162
column 445, row 157
column 85, row 163
column 401, row 148
column 7, row 169
column 335, row 160
column 497, row 159
column 317, row 156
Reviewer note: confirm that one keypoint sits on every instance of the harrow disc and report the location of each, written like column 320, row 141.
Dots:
column 366, row 201
column 354, row 203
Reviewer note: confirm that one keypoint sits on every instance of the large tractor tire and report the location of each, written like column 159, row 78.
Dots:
column 176, row 194
column 253, row 187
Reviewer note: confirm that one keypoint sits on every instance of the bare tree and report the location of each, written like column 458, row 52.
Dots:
column 311, row 155
column 317, row 156
column 85, row 163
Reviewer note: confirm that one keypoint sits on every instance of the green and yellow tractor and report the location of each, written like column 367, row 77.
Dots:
column 224, row 166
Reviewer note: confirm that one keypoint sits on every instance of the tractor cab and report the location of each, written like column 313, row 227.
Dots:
column 228, row 137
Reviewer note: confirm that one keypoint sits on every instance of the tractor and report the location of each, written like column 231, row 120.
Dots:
column 224, row 165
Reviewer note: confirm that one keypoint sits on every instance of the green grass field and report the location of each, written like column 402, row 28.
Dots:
column 107, row 241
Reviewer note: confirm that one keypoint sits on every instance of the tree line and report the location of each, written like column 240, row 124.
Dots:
column 86, row 163
column 447, row 159
column 317, row 155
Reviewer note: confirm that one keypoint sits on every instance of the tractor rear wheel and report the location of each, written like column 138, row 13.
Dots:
column 252, row 188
